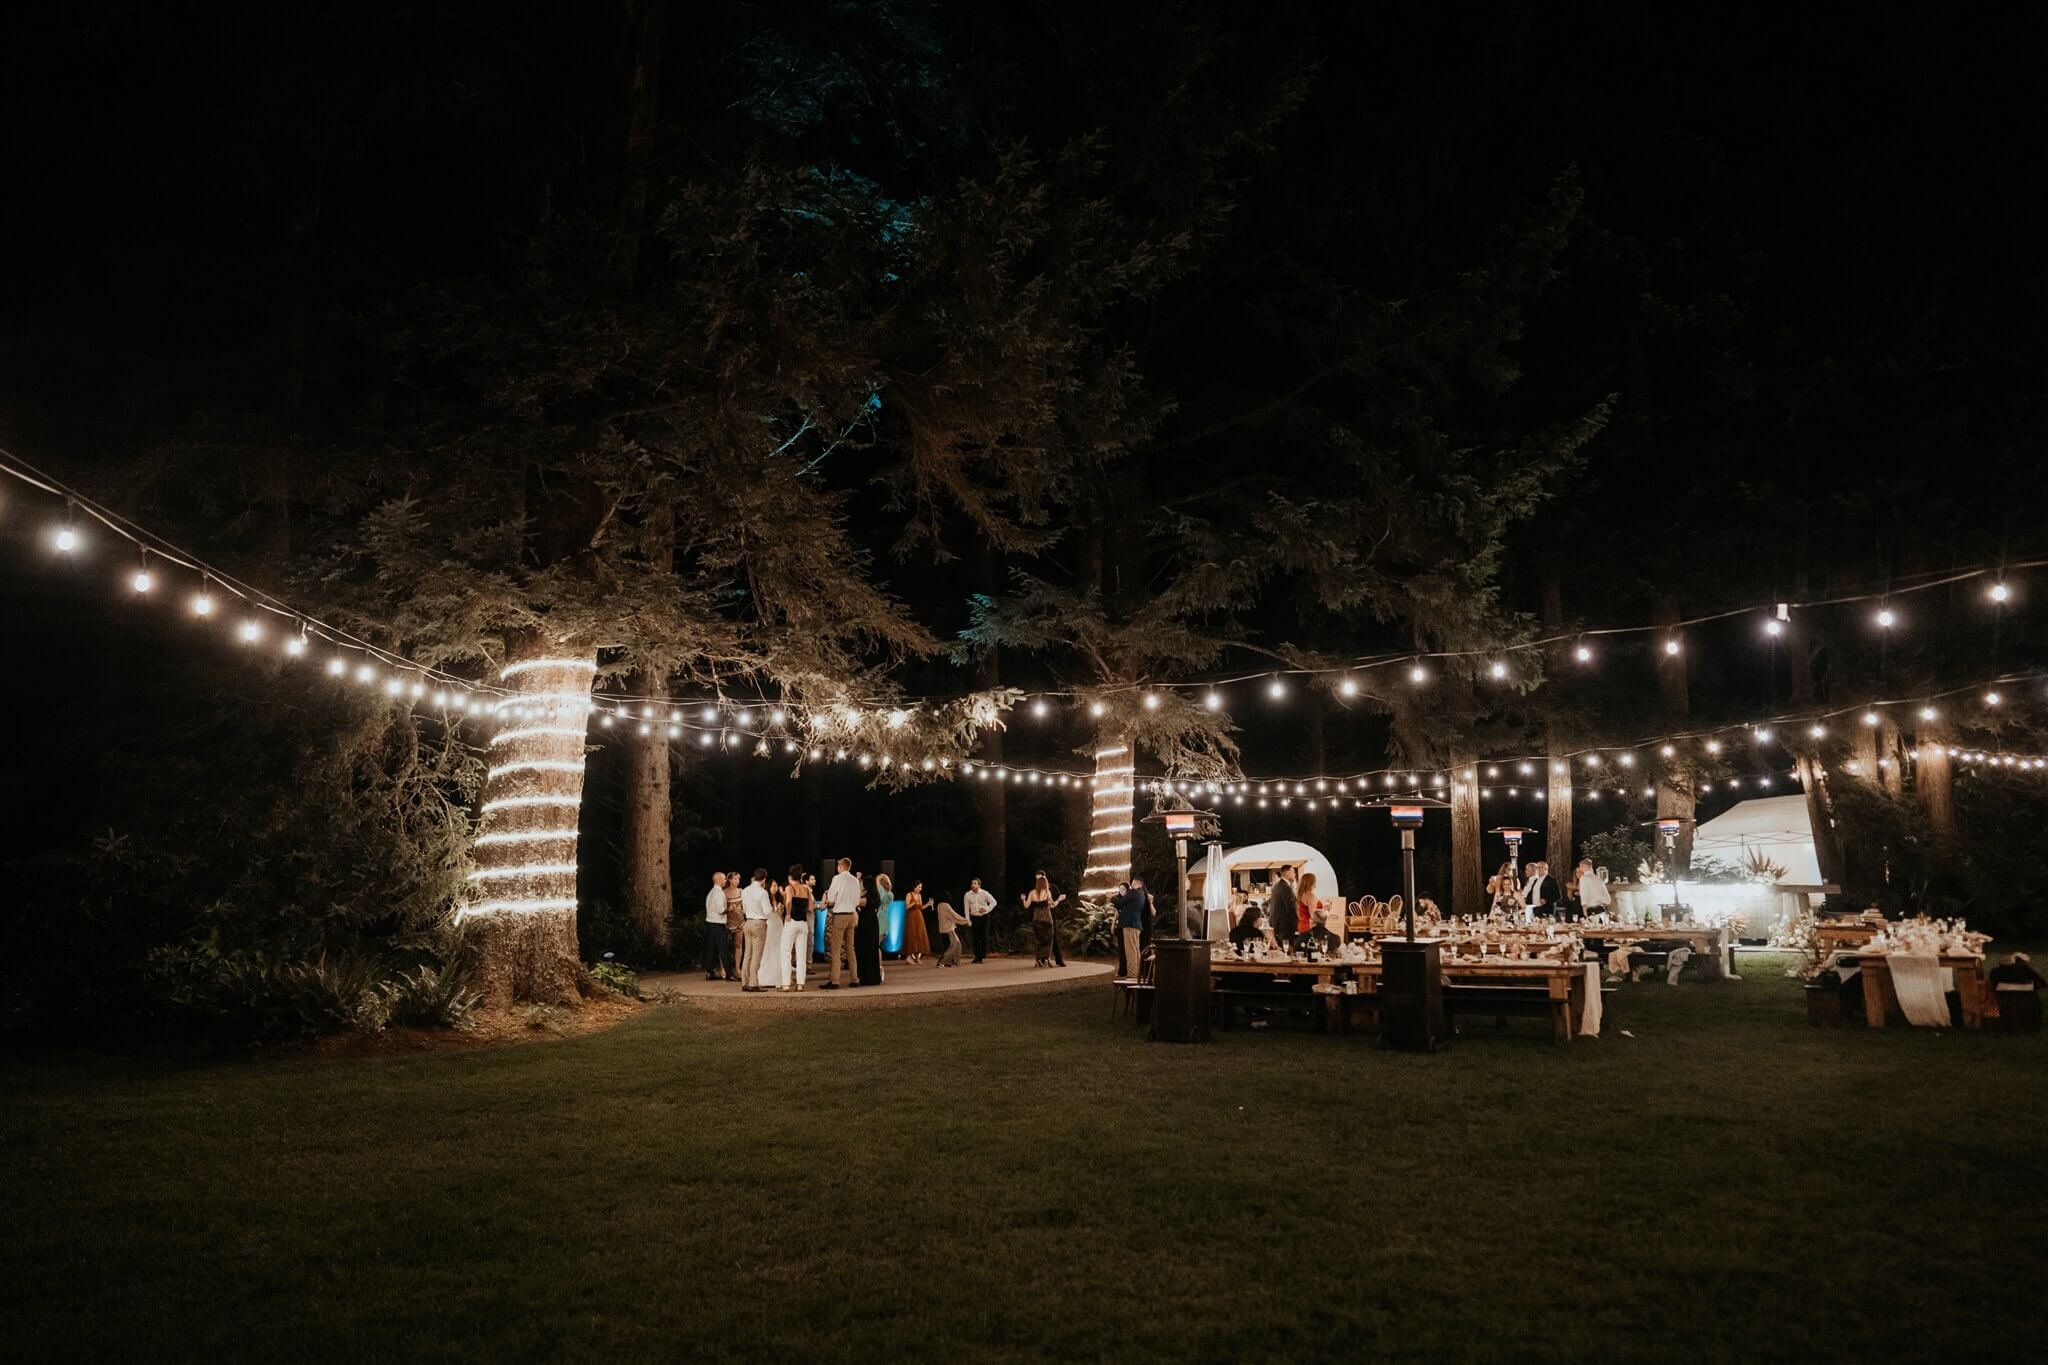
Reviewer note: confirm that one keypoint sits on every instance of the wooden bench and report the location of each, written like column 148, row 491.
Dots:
column 1500, row 1001
column 1226, row 999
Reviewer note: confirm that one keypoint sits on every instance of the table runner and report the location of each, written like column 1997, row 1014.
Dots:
column 1920, row 984
column 1589, row 1014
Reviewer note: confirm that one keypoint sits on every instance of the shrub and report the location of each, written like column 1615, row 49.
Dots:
column 614, row 976
column 432, row 995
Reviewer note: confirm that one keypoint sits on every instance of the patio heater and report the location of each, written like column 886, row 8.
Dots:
column 1411, row 968
column 1180, row 963
column 1514, row 834
column 1668, row 829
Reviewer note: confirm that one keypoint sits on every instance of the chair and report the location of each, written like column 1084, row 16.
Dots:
column 1130, row 989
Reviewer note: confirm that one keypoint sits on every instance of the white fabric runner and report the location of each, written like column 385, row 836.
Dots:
column 1589, row 1013
column 1919, row 982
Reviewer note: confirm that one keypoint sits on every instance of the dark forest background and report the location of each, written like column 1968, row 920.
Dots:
column 1462, row 322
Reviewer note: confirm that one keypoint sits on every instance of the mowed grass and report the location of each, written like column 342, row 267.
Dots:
column 1013, row 1177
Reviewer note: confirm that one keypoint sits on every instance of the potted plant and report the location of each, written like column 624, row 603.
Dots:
column 1823, row 984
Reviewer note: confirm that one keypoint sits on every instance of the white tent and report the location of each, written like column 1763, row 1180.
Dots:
column 1275, row 854
column 1775, row 826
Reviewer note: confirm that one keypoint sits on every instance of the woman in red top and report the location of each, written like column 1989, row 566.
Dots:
column 1305, row 903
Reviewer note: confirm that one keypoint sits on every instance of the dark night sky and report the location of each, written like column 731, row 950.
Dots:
column 1807, row 267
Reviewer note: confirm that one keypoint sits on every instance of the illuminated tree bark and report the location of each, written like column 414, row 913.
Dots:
column 650, row 900
column 1820, row 814
column 1933, row 780
column 1468, row 877
column 1112, row 811
column 1557, row 804
column 520, row 913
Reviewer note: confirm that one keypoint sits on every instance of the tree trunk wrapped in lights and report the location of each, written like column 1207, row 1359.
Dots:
column 1112, row 815
column 1468, row 873
column 520, row 912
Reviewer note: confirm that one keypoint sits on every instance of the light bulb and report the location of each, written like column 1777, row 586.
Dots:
column 675, row 732
column 1349, row 687
column 703, row 740
column 142, row 582
column 775, row 717
column 202, row 605
column 1927, row 713
column 1817, row 731
column 336, row 667
column 1214, row 701
column 1671, row 646
column 1522, row 768
column 66, row 540
column 709, row 715
column 366, row 674
column 1095, row 708
column 1583, row 654
column 1039, row 709
column 1763, row 734
column 295, row 645
column 1870, row 717
column 1151, row 701
column 746, row 718
column 1774, row 626
column 1885, row 619
column 1276, row 689
column 392, row 687
column 1713, row 746
column 1592, row 760
column 1498, row 669
column 249, row 631
column 898, row 719
column 1999, row 592
column 1992, row 699
column 1418, row 674
column 1667, row 751
column 1628, row 760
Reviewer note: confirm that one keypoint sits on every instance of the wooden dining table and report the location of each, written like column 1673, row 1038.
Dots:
column 1880, row 999
column 1564, row 982
column 1711, row 943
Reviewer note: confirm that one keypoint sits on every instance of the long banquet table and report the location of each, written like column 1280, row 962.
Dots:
column 1880, row 999
column 1564, row 982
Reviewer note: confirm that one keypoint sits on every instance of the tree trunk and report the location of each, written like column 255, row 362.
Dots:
column 1112, row 810
column 1557, row 823
column 1317, row 753
column 1675, row 783
column 1557, row 801
column 520, row 913
column 1933, row 780
column 638, row 66
column 1891, row 771
column 650, row 900
column 1468, row 875
column 992, row 799
column 1820, row 813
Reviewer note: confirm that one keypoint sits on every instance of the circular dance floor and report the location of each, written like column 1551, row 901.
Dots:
column 898, row 980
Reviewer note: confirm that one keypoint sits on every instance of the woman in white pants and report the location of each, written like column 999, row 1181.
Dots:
column 774, row 974
column 793, row 953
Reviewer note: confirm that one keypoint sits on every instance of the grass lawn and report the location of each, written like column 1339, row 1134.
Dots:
column 1012, row 1177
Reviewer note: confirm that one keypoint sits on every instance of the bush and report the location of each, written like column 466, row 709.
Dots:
column 614, row 976
column 432, row 996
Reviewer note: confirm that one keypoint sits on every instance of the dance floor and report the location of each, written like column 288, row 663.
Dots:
column 998, row 973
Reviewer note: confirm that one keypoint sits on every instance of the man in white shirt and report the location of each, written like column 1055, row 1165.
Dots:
column 842, row 900
column 978, row 904
column 717, row 938
column 759, row 908
column 1593, row 896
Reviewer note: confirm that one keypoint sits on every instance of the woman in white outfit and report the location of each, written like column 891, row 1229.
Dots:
column 774, row 961
column 794, row 959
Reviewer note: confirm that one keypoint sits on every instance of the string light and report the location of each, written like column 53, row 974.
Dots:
column 1773, row 626
column 1992, row 699
column 1870, row 717
column 295, row 645
column 142, row 582
column 1583, row 654
column 1671, row 647
column 1276, row 689
column 1214, row 700
column 1151, row 701
column 1039, row 709
column 1349, row 687
column 66, row 540
column 1498, row 669
column 1998, row 592
column 1885, row 618
column 202, row 605
column 1418, row 675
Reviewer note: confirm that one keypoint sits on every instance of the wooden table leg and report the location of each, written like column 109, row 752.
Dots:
column 1970, row 991
column 1561, row 1009
column 1875, row 1001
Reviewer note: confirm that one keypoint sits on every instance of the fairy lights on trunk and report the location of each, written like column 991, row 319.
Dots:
column 1112, row 810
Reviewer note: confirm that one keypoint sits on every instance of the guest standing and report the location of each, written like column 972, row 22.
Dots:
column 774, row 973
column 867, row 933
column 1504, row 892
column 950, row 921
column 1059, row 957
column 717, row 938
column 793, row 956
column 1305, row 904
column 1038, row 905
column 736, row 921
column 1131, row 905
column 979, row 905
column 917, row 943
column 1280, row 909
column 842, row 900
column 1594, row 898
column 1542, row 895
column 758, row 908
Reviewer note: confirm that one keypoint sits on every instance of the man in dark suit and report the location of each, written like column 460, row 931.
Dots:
column 1546, row 898
column 1281, row 908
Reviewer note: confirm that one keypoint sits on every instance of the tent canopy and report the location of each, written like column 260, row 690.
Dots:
column 1776, row 826
column 1275, row 854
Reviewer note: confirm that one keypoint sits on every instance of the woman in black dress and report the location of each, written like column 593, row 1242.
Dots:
column 867, row 935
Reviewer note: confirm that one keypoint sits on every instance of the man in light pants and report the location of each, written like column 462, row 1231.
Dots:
column 842, row 899
column 759, row 909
